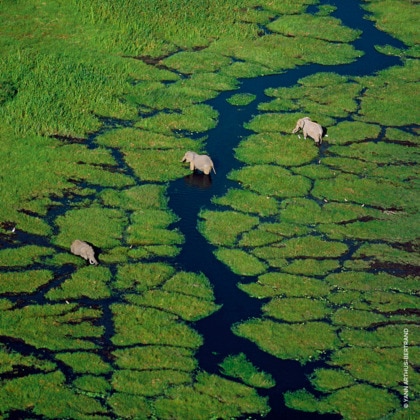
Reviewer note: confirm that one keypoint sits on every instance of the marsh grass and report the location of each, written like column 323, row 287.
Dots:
column 10, row 359
column 157, row 166
column 327, row 380
column 38, row 390
column 14, row 282
column 241, row 262
column 148, row 383
column 306, row 25
column 192, row 119
column 102, row 227
column 91, row 282
column 142, row 276
column 85, row 362
column 151, row 227
column 136, row 325
column 186, row 307
column 311, row 266
column 23, row 256
column 93, row 386
column 238, row 366
column 263, row 148
column 296, row 309
column 146, row 196
column 310, row 246
column 210, row 394
column 241, row 99
column 128, row 405
column 271, row 180
column 156, row 357
column 281, row 284
column 54, row 327
column 223, row 228
column 305, row 341
column 248, row 202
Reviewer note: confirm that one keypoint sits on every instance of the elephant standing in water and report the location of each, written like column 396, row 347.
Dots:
column 201, row 162
column 84, row 250
column 309, row 128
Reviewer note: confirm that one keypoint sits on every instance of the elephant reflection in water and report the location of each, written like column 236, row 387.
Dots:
column 198, row 180
column 309, row 128
column 202, row 163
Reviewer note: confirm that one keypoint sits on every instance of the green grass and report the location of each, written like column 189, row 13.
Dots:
column 85, row 84
column 84, row 362
column 296, row 309
column 241, row 99
column 238, row 366
column 241, row 262
column 224, row 228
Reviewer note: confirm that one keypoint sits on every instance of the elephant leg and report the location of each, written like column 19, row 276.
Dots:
column 191, row 166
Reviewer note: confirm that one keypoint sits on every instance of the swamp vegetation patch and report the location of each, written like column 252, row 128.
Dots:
column 98, row 104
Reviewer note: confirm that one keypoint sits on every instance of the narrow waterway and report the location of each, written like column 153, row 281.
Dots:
column 193, row 193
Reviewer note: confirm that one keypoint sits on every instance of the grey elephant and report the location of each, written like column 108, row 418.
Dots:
column 201, row 162
column 309, row 128
column 84, row 250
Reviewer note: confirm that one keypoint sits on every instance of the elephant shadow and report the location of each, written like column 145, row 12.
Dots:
column 198, row 180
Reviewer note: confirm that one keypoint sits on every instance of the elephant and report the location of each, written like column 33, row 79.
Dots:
column 84, row 250
column 201, row 162
column 309, row 128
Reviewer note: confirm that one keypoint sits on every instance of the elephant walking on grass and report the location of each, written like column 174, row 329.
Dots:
column 84, row 250
column 309, row 128
column 201, row 162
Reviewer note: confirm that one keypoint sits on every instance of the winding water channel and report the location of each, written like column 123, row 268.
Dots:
column 189, row 195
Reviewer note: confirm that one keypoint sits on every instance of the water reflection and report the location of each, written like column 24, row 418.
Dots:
column 198, row 180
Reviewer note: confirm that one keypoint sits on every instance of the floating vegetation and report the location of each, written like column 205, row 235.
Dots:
column 271, row 180
column 223, row 228
column 52, row 326
column 241, row 99
column 327, row 28
column 299, row 341
column 248, row 202
column 99, row 104
column 240, row 261
column 264, row 148
column 237, row 366
column 91, row 282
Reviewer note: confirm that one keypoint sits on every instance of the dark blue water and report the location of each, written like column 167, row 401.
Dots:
column 191, row 194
